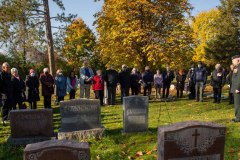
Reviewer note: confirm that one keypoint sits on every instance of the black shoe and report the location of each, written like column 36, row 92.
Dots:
column 214, row 101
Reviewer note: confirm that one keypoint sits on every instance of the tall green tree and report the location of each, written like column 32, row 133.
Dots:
column 25, row 24
column 227, row 42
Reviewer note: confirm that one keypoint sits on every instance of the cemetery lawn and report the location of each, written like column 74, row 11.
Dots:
column 117, row 146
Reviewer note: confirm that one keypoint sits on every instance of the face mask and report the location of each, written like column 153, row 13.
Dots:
column 60, row 74
column 192, row 69
column 32, row 74
column 199, row 66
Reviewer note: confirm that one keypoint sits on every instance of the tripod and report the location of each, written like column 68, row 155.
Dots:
column 160, row 110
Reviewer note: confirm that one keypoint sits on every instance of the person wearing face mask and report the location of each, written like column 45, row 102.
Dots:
column 200, row 79
column 32, row 84
column 86, row 77
column 218, row 80
column 168, row 77
column 61, row 86
column 6, row 90
column 147, row 79
column 180, row 77
column 235, row 88
column 98, row 86
column 18, row 89
column 72, row 84
column 191, row 83
column 134, row 82
column 124, row 80
column 158, row 83
column 47, row 82
column 111, row 78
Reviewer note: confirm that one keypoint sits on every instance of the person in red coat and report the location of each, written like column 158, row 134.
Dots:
column 98, row 86
column 47, row 81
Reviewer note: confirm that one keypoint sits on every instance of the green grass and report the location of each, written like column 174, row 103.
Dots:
column 117, row 146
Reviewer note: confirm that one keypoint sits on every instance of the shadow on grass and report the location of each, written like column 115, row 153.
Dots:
column 12, row 152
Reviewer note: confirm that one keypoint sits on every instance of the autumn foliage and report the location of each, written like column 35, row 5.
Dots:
column 79, row 43
column 143, row 32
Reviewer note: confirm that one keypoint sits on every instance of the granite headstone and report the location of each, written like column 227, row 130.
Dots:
column 57, row 150
column 191, row 140
column 135, row 114
column 80, row 119
column 30, row 126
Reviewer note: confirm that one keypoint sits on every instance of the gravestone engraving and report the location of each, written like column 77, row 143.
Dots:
column 80, row 119
column 30, row 126
column 57, row 150
column 135, row 114
column 191, row 140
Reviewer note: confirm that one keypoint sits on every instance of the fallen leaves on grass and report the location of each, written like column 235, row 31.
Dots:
column 232, row 150
column 139, row 153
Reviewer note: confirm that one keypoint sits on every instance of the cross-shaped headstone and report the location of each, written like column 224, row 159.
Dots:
column 196, row 134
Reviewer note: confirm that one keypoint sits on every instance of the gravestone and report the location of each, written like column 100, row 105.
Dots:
column 30, row 126
column 135, row 114
column 80, row 119
column 57, row 150
column 191, row 140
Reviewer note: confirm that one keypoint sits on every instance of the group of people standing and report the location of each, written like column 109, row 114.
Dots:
column 13, row 88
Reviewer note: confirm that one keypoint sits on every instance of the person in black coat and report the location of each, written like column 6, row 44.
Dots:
column 180, row 77
column 47, row 81
column 6, row 90
column 134, row 82
column 111, row 78
column 147, row 79
column 229, row 82
column 168, row 77
column 18, row 89
column 191, row 83
column 217, row 81
column 124, row 80
column 32, row 83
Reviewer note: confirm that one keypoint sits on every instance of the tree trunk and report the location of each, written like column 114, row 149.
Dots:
column 49, row 38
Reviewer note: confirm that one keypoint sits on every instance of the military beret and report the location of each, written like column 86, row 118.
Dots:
column 236, row 56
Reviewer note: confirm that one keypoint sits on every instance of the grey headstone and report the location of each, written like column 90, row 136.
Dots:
column 57, row 150
column 191, row 140
column 80, row 119
column 80, row 114
column 135, row 114
column 30, row 126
